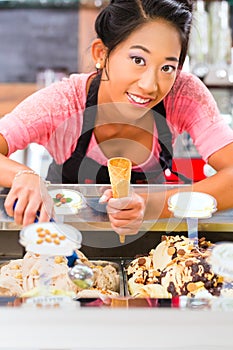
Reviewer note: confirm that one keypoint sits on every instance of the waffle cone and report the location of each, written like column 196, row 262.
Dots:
column 120, row 173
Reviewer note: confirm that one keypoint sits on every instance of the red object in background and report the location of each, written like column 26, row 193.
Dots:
column 192, row 168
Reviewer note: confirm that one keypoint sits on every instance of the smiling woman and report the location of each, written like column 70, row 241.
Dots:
column 134, row 106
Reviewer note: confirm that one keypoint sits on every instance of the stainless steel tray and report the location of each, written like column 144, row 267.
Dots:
column 116, row 264
column 119, row 268
column 125, row 277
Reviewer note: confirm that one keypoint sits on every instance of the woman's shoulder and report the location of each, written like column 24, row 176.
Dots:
column 69, row 90
column 190, row 101
column 76, row 83
column 188, row 84
column 78, row 78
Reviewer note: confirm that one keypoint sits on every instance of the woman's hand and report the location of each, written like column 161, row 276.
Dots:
column 125, row 214
column 28, row 196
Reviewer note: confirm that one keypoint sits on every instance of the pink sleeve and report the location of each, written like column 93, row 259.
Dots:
column 51, row 117
column 191, row 107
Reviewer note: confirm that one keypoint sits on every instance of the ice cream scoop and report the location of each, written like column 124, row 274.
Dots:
column 81, row 275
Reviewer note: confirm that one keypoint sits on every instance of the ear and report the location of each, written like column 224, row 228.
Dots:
column 99, row 52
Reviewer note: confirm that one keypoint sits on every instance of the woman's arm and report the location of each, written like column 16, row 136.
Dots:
column 28, row 189
column 127, row 214
column 220, row 186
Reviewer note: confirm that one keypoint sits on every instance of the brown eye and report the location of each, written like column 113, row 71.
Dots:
column 168, row 69
column 138, row 61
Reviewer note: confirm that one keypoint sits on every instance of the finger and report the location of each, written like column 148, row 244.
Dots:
column 103, row 188
column 19, row 211
column 106, row 196
column 120, row 204
column 9, row 203
column 126, row 214
column 125, row 223
column 31, row 213
column 46, row 212
column 125, row 230
column 130, row 211
column 125, row 202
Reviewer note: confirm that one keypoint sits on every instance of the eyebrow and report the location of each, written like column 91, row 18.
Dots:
column 175, row 59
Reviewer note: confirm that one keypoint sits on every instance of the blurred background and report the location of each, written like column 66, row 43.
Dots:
column 42, row 41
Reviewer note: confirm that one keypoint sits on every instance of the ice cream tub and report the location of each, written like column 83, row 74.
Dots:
column 108, row 280
column 175, row 267
column 22, row 277
column 192, row 205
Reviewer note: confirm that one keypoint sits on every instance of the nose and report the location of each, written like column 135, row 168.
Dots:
column 148, row 82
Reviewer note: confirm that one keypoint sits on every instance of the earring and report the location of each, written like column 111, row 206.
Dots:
column 97, row 65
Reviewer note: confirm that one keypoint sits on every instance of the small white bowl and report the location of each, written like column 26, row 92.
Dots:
column 50, row 238
column 74, row 201
column 192, row 205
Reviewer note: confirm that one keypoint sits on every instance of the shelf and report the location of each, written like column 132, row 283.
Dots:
column 94, row 218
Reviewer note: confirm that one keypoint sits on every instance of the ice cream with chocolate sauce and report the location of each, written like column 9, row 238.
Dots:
column 175, row 267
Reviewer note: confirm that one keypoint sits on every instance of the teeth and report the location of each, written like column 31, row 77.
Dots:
column 138, row 99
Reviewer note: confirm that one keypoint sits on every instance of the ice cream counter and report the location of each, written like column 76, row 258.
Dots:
column 92, row 216
column 98, row 238
column 125, row 323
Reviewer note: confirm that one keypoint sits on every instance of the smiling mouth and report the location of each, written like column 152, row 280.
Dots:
column 138, row 100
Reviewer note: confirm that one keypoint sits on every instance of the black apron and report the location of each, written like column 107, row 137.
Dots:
column 80, row 169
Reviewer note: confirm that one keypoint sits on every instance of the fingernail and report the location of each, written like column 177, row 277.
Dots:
column 103, row 199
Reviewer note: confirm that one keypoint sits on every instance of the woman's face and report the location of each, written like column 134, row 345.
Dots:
column 142, row 69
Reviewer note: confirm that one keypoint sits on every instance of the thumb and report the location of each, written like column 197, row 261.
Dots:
column 105, row 196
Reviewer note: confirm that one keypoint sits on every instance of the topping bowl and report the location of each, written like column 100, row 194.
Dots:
column 192, row 205
column 50, row 238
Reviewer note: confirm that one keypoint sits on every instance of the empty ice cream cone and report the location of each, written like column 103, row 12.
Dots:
column 120, row 173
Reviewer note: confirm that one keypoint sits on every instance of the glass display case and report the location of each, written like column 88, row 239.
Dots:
column 99, row 240
column 60, row 323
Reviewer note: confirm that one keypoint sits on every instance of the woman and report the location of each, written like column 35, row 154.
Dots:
column 88, row 118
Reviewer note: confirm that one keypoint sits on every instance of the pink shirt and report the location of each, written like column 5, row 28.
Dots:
column 53, row 117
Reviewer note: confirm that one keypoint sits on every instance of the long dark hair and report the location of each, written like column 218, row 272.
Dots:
column 121, row 17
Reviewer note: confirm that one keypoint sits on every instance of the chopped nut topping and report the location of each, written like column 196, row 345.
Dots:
column 171, row 250
column 56, row 241
column 58, row 259
column 141, row 261
column 181, row 252
column 35, row 273
column 19, row 276
column 44, row 235
column 15, row 267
